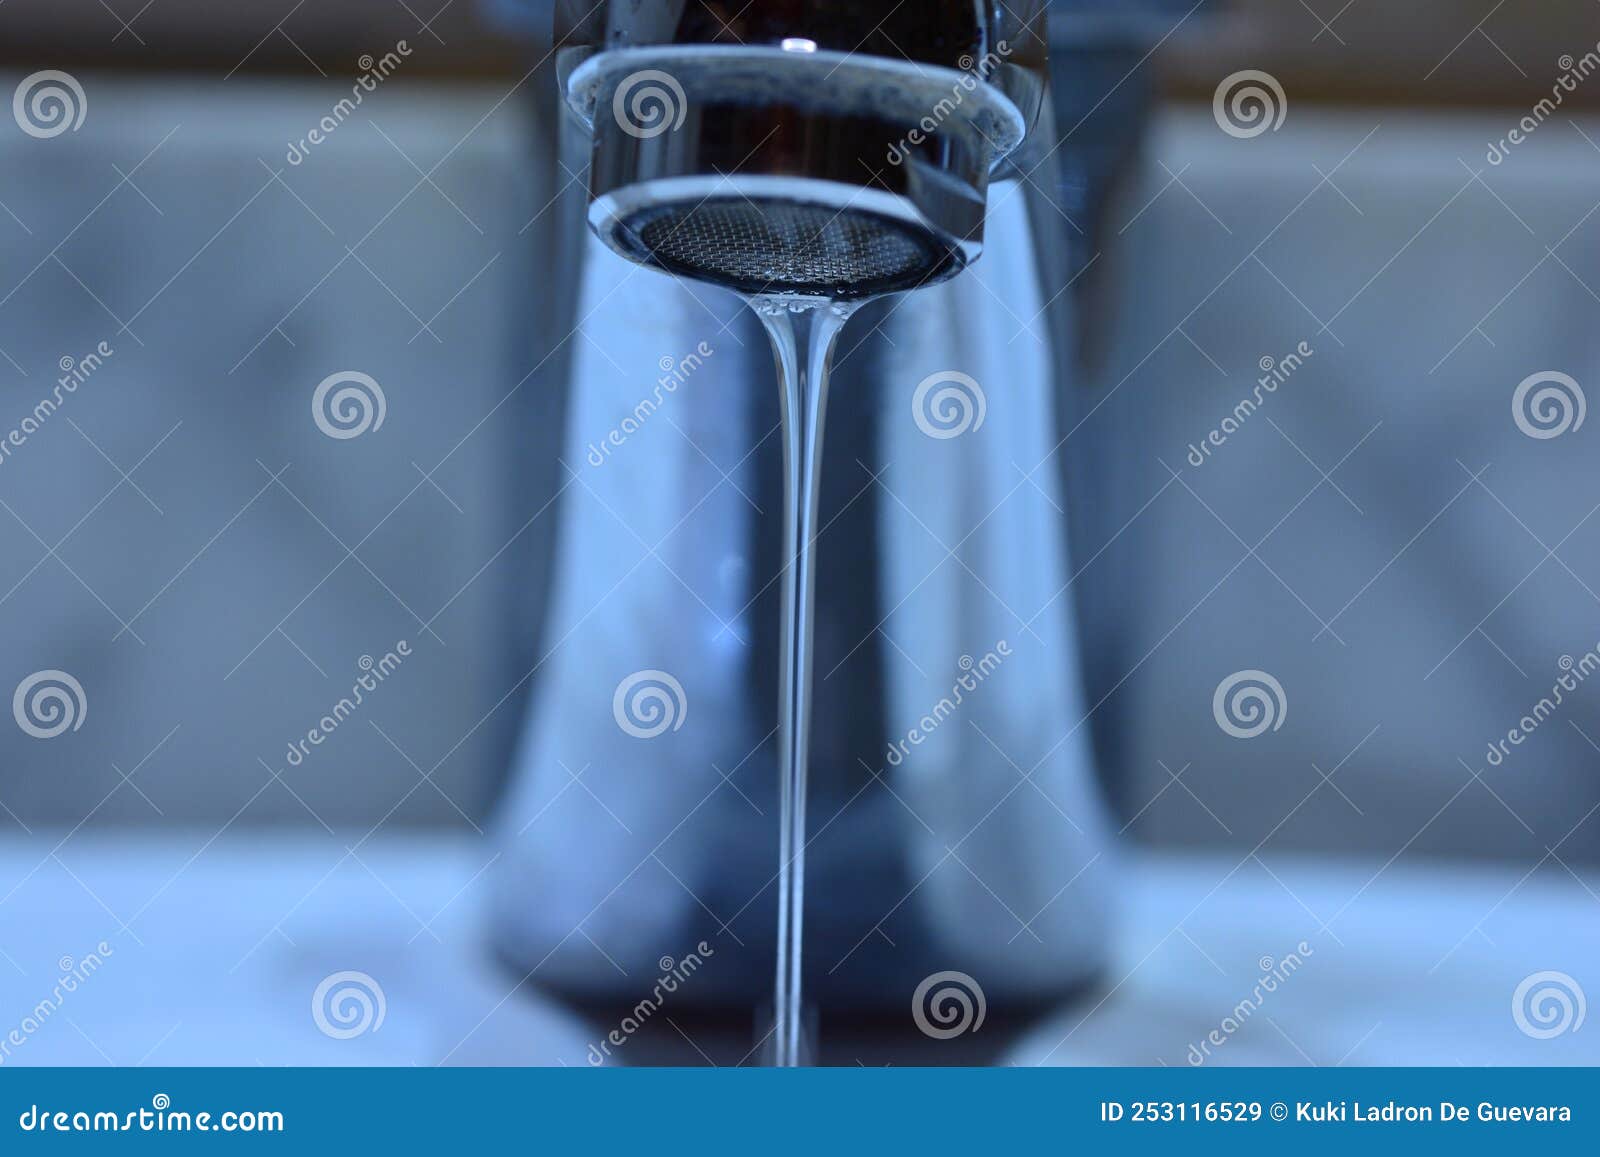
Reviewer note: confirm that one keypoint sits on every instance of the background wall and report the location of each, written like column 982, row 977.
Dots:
column 180, row 534
column 1380, row 534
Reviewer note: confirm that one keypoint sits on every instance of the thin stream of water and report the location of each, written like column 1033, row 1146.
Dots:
column 803, row 331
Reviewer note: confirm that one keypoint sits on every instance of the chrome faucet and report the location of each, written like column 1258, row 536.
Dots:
column 956, row 826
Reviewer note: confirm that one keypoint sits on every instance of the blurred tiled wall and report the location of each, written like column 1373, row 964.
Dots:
column 1377, row 531
column 182, row 537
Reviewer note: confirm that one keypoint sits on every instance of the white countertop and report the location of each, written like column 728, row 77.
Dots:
column 217, row 948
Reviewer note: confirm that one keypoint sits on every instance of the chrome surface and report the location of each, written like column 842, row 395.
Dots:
column 956, row 824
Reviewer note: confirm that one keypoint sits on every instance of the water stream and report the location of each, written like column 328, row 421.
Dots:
column 804, row 331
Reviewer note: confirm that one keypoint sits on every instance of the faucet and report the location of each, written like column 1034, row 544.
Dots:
column 959, row 851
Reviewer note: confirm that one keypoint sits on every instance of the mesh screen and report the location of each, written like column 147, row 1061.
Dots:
column 777, row 246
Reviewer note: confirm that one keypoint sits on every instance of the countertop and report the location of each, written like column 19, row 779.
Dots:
column 217, row 944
